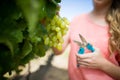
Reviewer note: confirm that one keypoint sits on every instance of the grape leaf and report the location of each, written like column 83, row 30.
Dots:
column 30, row 9
column 10, row 45
column 51, row 9
column 56, row 1
column 26, row 49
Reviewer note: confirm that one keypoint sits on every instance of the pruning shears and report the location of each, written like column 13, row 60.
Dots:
column 84, row 44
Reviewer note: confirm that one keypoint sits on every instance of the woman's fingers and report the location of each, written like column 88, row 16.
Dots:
column 87, row 61
column 83, row 64
column 83, row 61
column 83, row 56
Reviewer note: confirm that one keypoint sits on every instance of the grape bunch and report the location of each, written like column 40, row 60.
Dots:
column 56, row 29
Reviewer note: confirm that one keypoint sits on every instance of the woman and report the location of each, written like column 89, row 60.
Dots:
column 101, row 27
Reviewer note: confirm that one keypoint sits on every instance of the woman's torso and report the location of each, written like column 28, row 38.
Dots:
column 98, row 36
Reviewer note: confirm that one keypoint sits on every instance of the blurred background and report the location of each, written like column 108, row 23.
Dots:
column 52, row 67
column 71, row 8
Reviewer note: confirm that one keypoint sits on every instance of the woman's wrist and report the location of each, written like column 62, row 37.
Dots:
column 104, row 65
column 111, row 69
column 107, row 66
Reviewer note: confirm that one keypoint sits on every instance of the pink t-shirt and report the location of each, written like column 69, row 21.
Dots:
column 98, row 36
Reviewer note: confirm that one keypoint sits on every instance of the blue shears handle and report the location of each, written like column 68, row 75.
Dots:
column 88, row 46
column 81, row 50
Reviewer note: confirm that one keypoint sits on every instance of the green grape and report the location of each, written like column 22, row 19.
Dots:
column 64, row 32
column 48, row 27
column 59, row 35
column 59, row 46
column 66, row 21
column 46, row 41
column 50, row 43
column 55, row 18
column 52, row 22
column 61, row 40
column 54, row 39
column 55, row 45
column 59, row 21
column 57, row 29
column 62, row 25
column 53, row 27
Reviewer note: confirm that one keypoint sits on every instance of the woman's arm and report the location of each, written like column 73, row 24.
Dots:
column 111, row 69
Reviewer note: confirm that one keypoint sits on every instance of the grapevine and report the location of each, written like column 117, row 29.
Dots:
column 27, row 29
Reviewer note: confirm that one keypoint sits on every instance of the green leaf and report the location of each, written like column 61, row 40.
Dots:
column 8, row 9
column 40, row 49
column 18, row 35
column 30, row 10
column 56, row 1
column 26, row 49
column 42, row 10
column 7, row 43
column 51, row 9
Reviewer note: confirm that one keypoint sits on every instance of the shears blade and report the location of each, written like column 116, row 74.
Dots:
column 79, row 43
column 83, row 39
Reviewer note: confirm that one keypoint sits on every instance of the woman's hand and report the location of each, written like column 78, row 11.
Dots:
column 92, row 60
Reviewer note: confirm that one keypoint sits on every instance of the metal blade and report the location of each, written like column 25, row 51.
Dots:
column 83, row 39
column 79, row 43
